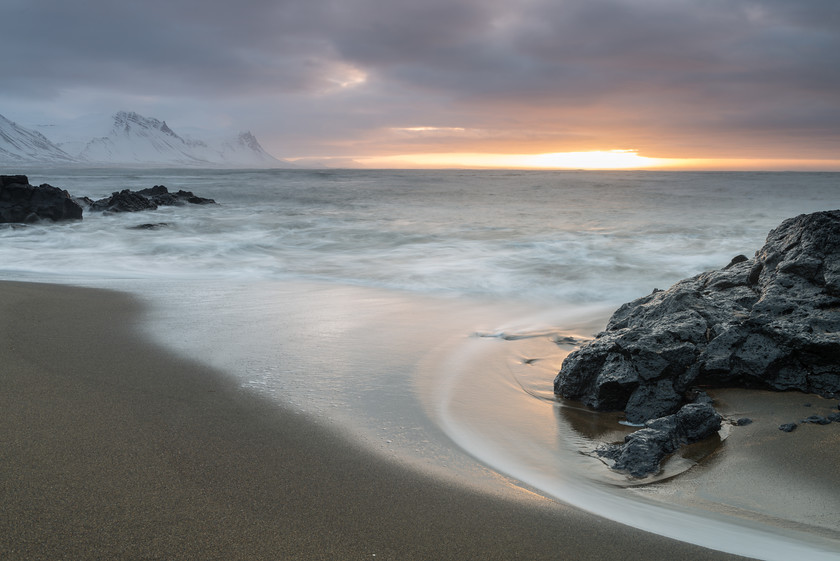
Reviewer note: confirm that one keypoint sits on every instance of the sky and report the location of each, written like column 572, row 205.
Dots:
column 706, row 84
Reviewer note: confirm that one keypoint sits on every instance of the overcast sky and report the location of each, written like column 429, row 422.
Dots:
column 355, row 78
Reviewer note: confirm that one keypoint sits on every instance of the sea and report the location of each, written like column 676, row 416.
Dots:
column 423, row 313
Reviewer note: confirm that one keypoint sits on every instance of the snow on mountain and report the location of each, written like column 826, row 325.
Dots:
column 19, row 145
column 134, row 139
column 246, row 149
column 129, row 139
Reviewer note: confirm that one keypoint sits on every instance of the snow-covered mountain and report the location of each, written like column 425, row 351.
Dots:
column 19, row 145
column 131, row 139
column 134, row 139
column 246, row 148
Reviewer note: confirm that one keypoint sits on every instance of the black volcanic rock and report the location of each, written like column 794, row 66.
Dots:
column 192, row 199
column 150, row 226
column 816, row 419
column 123, row 201
column 22, row 202
column 162, row 197
column 146, row 199
column 642, row 451
column 771, row 322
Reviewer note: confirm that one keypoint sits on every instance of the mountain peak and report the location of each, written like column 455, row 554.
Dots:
column 128, row 121
column 21, row 145
column 249, row 140
column 133, row 139
column 146, row 140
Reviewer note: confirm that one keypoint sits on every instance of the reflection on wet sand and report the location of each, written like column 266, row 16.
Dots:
column 595, row 428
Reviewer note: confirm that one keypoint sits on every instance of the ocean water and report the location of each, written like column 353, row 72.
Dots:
column 420, row 310
column 540, row 236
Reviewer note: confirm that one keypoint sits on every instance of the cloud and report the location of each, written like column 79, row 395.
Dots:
column 667, row 77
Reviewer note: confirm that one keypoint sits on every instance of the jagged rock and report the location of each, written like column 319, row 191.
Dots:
column 22, row 202
column 193, row 199
column 787, row 427
column 162, row 197
column 123, row 201
column 84, row 202
column 771, row 321
column 643, row 450
column 146, row 199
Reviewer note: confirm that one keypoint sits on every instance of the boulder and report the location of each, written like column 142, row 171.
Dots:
column 642, row 451
column 22, row 202
column 771, row 321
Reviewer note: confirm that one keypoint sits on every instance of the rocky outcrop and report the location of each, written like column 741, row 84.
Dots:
column 123, row 201
column 161, row 196
column 772, row 321
column 22, row 202
column 146, row 199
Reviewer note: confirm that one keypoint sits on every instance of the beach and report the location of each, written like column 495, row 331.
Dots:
column 337, row 364
column 116, row 448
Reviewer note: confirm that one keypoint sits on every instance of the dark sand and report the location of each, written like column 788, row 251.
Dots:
column 112, row 448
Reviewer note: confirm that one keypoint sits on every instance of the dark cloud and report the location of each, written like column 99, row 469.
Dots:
column 675, row 77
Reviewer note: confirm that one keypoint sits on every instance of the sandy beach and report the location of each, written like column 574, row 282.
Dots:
column 113, row 448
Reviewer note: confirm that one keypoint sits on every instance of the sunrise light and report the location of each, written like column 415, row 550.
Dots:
column 598, row 159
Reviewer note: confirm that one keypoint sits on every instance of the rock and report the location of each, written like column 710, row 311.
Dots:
column 743, row 421
column 787, row 427
column 193, row 199
column 13, row 180
column 84, row 202
column 123, row 201
column 770, row 322
column 161, row 196
column 642, row 451
column 146, row 199
column 22, row 202
column 816, row 420
column 150, row 226
column 156, row 191
column 834, row 417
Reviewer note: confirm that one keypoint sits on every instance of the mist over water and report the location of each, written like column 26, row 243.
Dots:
column 541, row 236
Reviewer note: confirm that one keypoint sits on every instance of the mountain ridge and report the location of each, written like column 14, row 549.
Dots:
column 21, row 145
column 134, row 139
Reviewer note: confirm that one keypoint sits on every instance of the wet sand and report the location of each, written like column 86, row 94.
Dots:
column 760, row 492
column 760, row 473
column 113, row 448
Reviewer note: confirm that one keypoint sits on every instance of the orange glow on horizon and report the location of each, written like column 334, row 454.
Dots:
column 592, row 160
column 599, row 159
